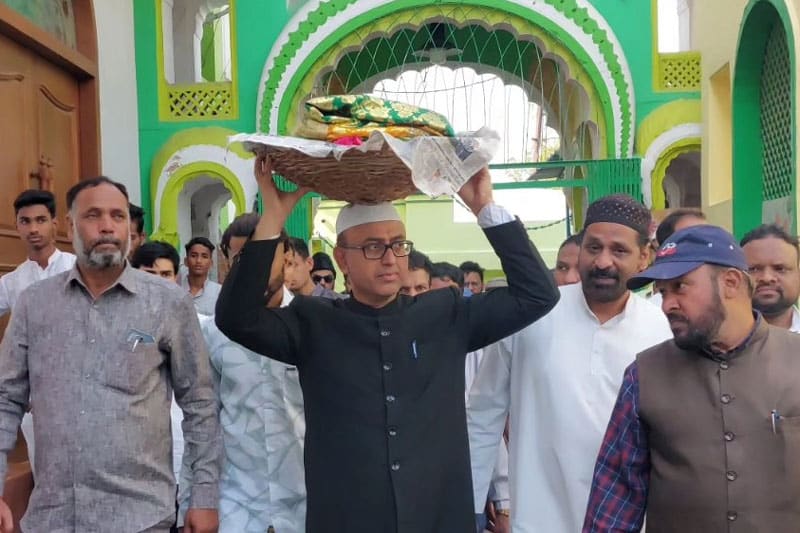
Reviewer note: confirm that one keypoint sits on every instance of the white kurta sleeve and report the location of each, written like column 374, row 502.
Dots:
column 500, row 492
column 5, row 297
column 487, row 409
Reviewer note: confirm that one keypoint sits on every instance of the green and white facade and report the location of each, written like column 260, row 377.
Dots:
column 624, row 113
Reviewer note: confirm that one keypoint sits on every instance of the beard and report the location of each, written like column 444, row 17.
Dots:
column 698, row 334
column 95, row 259
column 776, row 307
column 603, row 286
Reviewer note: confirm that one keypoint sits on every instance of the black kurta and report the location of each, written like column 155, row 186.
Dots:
column 386, row 446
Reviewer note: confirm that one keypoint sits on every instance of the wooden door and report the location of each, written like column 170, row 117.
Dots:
column 49, row 135
column 56, row 100
column 16, row 143
column 40, row 117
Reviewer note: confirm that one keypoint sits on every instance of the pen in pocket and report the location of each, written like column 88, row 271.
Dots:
column 776, row 418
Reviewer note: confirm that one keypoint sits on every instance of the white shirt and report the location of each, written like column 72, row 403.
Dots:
column 176, row 419
column 204, row 301
column 11, row 286
column 558, row 379
column 262, row 481
column 499, row 492
column 795, row 327
column 28, row 273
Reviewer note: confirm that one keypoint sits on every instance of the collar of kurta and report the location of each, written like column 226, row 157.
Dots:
column 50, row 260
column 613, row 320
column 393, row 307
column 758, row 332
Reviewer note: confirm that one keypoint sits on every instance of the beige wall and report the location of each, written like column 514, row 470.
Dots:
column 715, row 33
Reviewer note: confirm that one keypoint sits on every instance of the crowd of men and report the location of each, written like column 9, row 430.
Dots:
column 650, row 374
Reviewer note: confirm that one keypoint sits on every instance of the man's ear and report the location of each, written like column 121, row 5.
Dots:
column 70, row 225
column 733, row 281
column 644, row 257
column 341, row 260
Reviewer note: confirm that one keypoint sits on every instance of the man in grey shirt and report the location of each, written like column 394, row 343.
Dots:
column 98, row 351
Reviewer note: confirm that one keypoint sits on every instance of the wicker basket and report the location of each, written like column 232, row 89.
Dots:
column 357, row 177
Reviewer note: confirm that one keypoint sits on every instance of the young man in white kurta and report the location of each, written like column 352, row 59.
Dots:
column 35, row 213
column 558, row 380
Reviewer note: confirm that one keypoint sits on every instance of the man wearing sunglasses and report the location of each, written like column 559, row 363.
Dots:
column 297, row 272
column 383, row 375
column 323, row 272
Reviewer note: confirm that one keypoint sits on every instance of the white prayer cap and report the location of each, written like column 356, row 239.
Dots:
column 353, row 215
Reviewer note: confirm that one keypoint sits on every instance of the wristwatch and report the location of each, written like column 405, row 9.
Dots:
column 504, row 512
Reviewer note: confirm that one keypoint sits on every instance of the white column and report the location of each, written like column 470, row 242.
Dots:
column 169, row 43
column 119, row 116
column 685, row 25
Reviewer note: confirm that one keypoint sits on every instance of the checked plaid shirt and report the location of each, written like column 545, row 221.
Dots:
column 618, row 497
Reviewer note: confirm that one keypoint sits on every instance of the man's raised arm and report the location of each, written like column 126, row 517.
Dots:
column 257, row 274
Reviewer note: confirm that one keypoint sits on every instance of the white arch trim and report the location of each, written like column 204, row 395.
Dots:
column 542, row 8
column 206, row 153
column 657, row 148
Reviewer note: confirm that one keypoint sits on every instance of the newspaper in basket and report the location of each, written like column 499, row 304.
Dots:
column 382, row 168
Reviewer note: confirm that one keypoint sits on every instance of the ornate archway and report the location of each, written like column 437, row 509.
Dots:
column 333, row 37
column 666, row 133
column 193, row 154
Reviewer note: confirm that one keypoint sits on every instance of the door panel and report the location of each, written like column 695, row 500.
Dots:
column 16, row 144
column 57, row 132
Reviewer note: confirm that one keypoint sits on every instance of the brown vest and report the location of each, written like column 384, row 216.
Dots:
column 716, row 464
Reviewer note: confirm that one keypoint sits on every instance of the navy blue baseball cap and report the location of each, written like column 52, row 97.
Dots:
column 689, row 249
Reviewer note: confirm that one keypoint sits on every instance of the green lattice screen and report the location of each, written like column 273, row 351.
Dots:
column 376, row 57
column 776, row 119
column 456, row 36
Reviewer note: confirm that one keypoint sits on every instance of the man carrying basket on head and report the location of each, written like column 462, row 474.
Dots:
column 382, row 374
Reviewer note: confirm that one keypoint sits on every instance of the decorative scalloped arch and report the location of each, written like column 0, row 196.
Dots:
column 187, row 155
column 664, row 118
column 587, row 38
column 664, row 134
column 682, row 146
column 670, row 144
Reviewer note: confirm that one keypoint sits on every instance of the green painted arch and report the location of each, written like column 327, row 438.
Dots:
column 168, row 221
column 508, row 12
column 213, row 135
column 757, row 20
column 664, row 118
column 683, row 146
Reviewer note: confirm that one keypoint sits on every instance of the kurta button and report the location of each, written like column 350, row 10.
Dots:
column 395, row 466
column 385, row 333
column 91, row 341
column 729, row 436
column 389, row 398
column 387, row 366
column 725, row 398
column 732, row 515
column 724, row 365
column 731, row 475
column 392, row 432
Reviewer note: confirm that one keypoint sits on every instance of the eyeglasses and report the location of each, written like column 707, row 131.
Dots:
column 327, row 278
column 376, row 250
